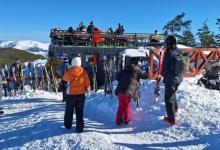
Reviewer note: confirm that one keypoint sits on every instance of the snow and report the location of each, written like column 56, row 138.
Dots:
column 35, row 121
column 141, row 51
column 35, row 47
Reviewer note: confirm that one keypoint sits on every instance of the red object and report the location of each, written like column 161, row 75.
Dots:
column 157, row 88
column 94, row 59
column 123, row 108
column 96, row 38
column 171, row 123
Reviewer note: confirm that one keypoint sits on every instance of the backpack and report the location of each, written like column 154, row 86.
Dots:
column 181, row 63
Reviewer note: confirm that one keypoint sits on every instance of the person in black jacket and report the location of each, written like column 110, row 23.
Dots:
column 16, row 69
column 170, row 80
column 128, row 88
column 91, row 27
column 90, row 71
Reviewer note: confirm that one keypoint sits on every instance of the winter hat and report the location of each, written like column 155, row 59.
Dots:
column 91, row 22
column 76, row 61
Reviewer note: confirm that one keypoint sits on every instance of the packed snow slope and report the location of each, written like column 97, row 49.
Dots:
column 35, row 47
column 35, row 121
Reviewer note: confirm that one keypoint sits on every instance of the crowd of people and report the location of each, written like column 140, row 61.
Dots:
column 77, row 79
column 84, row 40
column 18, row 74
column 91, row 28
column 76, row 83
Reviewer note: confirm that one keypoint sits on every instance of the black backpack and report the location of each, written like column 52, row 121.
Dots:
column 181, row 63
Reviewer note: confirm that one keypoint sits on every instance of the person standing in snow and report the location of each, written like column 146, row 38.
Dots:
column 77, row 81
column 170, row 80
column 128, row 88
column 62, row 69
column 1, row 85
column 16, row 69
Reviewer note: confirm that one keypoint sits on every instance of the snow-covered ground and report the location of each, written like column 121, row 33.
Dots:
column 35, row 47
column 36, row 121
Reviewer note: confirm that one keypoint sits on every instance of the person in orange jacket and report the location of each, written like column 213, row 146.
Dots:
column 77, row 81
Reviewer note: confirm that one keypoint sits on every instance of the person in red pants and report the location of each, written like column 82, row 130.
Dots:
column 128, row 88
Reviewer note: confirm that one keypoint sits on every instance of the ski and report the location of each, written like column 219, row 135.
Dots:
column 55, row 85
column 35, row 80
column 108, row 81
column 15, row 80
column 157, row 88
column 48, row 79
column 42, row 77
column 22, row 80
column 95, row 88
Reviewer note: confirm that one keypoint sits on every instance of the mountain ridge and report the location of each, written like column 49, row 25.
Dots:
column 35, row 47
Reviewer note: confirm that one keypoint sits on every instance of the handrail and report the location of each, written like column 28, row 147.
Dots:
column 77, row 33
column 198, row 58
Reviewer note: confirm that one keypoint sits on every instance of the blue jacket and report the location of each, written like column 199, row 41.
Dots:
column 62, row 67
column 170, row 78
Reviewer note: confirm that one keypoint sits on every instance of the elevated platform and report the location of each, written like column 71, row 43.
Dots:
column 63, row 37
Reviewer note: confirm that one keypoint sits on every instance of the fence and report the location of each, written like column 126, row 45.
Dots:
column 198, row 58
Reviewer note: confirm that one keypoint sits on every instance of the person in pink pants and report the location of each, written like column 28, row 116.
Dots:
column 128, row 88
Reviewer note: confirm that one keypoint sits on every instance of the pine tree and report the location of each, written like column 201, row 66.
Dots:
column 176, row 24
column 217, row 36
column 205, row 36
column 188, row 38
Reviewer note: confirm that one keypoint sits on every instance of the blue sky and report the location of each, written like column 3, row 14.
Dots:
column 33, row 19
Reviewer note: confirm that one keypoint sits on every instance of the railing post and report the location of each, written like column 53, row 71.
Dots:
column 150, row 63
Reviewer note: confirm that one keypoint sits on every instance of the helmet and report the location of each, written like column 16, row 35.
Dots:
column 171, row 40
column 137, row 62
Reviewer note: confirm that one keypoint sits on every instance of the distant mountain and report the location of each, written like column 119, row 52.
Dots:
column 34, row 47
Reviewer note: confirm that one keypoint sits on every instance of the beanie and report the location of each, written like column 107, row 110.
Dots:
column 76, row 61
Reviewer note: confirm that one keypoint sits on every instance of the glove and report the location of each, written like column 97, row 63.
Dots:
column 159, row 77
column 88, row 94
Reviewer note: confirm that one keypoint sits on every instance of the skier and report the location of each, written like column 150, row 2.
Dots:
column 1, row 85
column 61, row 70
column 77, row 81
column 40, row 74
column 128, row 88
column 16, row 69
column 4, row 75
column 170, row 80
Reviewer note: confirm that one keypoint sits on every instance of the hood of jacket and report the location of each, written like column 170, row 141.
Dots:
column 132, row 67
column 76, row 71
